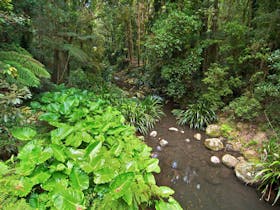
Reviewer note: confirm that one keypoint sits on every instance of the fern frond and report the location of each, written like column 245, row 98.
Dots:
column 24, row 77
column 76, row 52
column 25, row 61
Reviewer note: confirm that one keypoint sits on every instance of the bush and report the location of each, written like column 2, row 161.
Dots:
column 86, row 158
column 270, row 164
column 143, row 114
column 197, row 115
column 245, row 108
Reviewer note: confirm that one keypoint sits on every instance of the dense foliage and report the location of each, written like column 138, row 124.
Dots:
column 208, row 57
column 196, row 116
column 86, row 157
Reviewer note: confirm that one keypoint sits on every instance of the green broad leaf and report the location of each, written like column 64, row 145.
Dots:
column 38, row 201
column 52, row 107
column 3, row 169
column 40, row 176
column 93, row 165
column 24, row 133
column 74, row 139
column 65, row 107
column 58, row 153
column 152, row 166
column 22, row 187
column 25, row 168
column 60, row 133
column 93, row 149
column 117, row 149
column 33, row 154
column 150, row 179
column 128, row 197
column 165, row 192
column 75, row 154
column 79, row 179
column 121, row 184
column 56, row 179
column 172, row 204
column 49, row 117
column 86, row 137
column 55, row 167
column 68, row 199
column 104, row 175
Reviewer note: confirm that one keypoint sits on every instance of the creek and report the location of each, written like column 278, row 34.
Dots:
column 199, row 184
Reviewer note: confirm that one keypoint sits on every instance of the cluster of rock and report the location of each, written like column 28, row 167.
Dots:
column 244, row 170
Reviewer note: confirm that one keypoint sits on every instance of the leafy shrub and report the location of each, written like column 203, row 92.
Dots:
column 143, row 114
column 245, row 107
column 87, row 158
column 219, row 85
column 270, row 164
column 197, row 115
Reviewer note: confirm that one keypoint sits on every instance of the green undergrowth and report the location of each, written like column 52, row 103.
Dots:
column 81, row 156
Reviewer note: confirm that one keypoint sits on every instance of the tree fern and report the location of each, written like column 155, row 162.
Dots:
column 24, row 76
column 26, row 61
column 29, row 70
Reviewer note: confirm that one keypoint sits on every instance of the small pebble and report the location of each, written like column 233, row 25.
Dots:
column 188, row 140
column 163, row 142
column 215, row 160
column 154, row 155
column 159, row 148
column 186, row 179
column 153, row 134
column 198, row 186
column 174, row 164
column 173, row 129
column 182, row 131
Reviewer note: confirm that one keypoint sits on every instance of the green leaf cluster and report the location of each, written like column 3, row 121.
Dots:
column 88, row 158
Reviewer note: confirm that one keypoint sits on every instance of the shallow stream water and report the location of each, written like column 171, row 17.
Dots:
column 198, row 184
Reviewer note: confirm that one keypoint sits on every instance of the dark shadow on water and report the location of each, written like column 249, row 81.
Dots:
column 198, row 184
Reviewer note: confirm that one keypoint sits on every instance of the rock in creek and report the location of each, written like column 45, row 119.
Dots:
column 213, row 130
column 155, row 155
column 159, row 148
column 215, row 160
column 229, row 160
column 163, row 142
column 174, row 164
column 188, row 140
column 153, row 134
column 197, row 136
column 173, row 129
column 245, row 172
column 214, row 144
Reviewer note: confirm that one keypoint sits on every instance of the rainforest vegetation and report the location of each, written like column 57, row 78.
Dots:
column 82, row 80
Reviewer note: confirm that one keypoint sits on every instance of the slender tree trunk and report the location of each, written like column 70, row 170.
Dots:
column 139, row 33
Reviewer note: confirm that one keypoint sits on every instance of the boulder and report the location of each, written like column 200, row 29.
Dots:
column 245, row 172
column 214, row 144
column 173, row 129
column 213, row 130
column 229, row 160
column 153, row 134
column 197, row 136
column 215, row 160
column 250, row 155
column 163, row 142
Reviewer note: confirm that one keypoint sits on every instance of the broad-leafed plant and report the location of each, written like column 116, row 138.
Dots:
column 87, row 158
